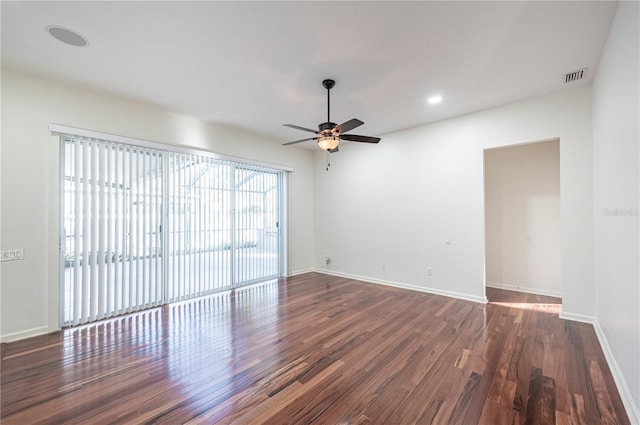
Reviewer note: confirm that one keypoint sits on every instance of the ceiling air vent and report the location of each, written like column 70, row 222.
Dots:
column 578, row 75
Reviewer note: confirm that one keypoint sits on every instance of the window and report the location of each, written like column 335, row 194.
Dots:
column 144, row 226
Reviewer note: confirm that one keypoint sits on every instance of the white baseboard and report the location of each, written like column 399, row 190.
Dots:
column 298, row 272
column 524, row 289
column 577, row 317
column 14, row 336
column 458, row 295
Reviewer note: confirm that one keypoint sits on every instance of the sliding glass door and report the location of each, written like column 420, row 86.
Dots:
column 256, row 223
column 143, row 227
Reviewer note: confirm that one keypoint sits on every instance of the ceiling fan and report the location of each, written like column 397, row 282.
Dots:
column 329, row 134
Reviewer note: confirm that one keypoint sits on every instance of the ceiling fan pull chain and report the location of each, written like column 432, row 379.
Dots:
column 328, row 161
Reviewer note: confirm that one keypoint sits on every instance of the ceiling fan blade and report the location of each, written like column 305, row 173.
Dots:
column 298, row 141
column 356, row 138
column 297, row 127
column 349, row 125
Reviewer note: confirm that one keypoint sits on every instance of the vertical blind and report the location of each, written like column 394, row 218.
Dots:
column 256, row 224
column 198, row 226
column 145, row 226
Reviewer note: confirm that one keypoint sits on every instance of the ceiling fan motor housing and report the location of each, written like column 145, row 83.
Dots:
column 327, row 126
column 328, row 84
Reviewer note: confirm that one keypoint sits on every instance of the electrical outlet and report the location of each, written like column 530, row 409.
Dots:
column 383, row 266
column 327, row 260
column 4, row 255
column 18, row 254
column 429, row 271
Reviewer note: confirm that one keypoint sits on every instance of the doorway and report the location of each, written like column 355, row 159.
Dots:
column 522, row 218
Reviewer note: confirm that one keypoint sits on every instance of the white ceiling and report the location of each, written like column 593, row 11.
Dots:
column 257, row 65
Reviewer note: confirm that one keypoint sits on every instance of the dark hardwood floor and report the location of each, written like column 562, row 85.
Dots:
column 317, row 349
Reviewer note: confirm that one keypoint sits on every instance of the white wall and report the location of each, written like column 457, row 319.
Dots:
column 396, row 203
column 29, row 183
column 522, row 214
column 616, row 138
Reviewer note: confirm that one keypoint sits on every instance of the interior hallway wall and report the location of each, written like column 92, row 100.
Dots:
column 616, row 140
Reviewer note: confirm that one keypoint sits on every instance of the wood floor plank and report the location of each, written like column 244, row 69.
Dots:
column 464, row 398
column 603, row 401
column 317, row 349
column 541, row 404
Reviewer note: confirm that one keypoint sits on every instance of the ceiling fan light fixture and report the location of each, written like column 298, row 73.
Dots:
column 328, row 143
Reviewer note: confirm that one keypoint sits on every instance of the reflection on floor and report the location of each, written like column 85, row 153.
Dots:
column 524, row 301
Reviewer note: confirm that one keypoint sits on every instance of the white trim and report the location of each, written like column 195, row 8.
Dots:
column 577, row 317
column 299, row 272
column 524, row 289
column 458, row 295
column 61, row 231
column 72, row 131
column 625, row 394
column 15, row 336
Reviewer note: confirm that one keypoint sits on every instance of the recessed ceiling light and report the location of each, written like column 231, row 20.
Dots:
column 67, row 36
column 434, row 100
